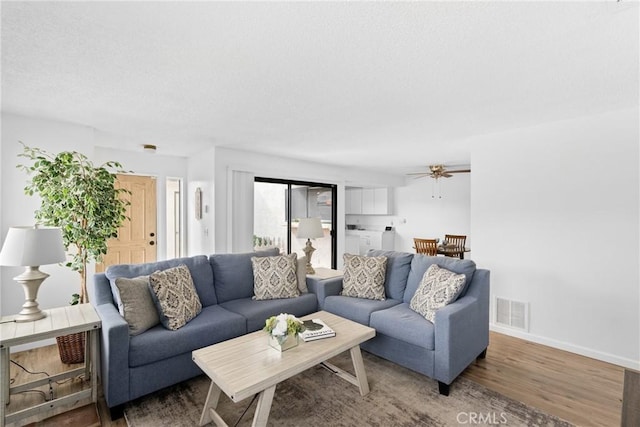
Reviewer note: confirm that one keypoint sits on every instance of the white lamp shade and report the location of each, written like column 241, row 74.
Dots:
column 30, row 246
column 310, row 228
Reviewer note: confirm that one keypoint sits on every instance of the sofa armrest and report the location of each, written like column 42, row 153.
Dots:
column 462, row 330
column 324, row 288
column 114, row 355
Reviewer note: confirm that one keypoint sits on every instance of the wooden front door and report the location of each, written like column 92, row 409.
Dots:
column 137, row 238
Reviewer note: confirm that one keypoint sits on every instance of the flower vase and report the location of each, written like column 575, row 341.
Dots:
column 283, row 342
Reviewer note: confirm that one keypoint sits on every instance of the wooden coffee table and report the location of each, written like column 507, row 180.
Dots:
column 247, row 365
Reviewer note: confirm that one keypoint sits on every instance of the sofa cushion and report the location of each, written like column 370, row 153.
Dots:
column 364, row 277
column 213, row 325
column 199, row 268
column 398, row 267
column 275, row 277
column 421, row 262
column 402, row 323
column 438, row 288
column 175, row 296
column 256, row 312
column 233, row 274
column 356, row 309
column 136, row 304
column 301, row 272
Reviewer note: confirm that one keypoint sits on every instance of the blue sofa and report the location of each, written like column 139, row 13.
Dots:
column 440, row 350
column 132, row 366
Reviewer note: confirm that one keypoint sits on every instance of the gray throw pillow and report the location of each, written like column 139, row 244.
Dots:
column 301, row 271
column 364, row 276
column 275, row 277
column 135, row 304
column 438, row 288
column 175, row 295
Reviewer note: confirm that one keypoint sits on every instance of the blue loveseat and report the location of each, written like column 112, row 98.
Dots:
column 440, row 350
column 132, row 366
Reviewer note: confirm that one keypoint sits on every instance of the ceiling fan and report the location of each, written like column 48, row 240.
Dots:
column 438, row 171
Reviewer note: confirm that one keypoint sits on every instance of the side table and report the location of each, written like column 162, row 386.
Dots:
column 58, row 322
column 325, row 273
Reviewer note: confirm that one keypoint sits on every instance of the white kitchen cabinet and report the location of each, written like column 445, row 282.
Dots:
column 370, row 239
column 368, row 201
column 353, row 197
column 352, row 244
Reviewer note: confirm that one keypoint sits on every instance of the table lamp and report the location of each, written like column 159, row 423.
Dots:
column 309, row 228
column 32, row 247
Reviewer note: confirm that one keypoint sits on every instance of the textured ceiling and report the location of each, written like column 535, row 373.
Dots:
column 381, row 85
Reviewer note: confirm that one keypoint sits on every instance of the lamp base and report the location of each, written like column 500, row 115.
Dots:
column 308, row 251
column 30, row 281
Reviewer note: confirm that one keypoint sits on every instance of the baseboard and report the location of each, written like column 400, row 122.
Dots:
column 583, row 351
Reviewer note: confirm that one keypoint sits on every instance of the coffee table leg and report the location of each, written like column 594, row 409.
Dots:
column 264, row 406
column 209, row 413
column 358, row 366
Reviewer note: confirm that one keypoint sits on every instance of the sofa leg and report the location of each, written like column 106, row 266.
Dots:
column 483, row 354
column 116, row 412
column 443, row 388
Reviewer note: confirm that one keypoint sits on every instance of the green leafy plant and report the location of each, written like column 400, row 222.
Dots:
column 81, row 199
column 283, row 324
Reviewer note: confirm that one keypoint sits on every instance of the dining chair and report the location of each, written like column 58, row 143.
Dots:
column 426, row 246
column 458, row 241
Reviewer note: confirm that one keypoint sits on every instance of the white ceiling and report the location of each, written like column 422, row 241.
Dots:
column 381, row 85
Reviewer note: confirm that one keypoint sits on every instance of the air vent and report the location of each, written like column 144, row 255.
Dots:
column 514, row 314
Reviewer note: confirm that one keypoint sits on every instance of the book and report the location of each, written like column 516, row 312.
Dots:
column 316, row 329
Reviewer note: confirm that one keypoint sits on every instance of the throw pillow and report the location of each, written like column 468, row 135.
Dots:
column 275, row 277
column 364, row 276
column 135, row 304
column 301, row 271
column 438, row 288
column 175, row 296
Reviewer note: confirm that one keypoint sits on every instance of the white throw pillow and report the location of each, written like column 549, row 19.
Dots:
column 175, row 295
column 364, row 276
column 274, row 277
column 438, row 288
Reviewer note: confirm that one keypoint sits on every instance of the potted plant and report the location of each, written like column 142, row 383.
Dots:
column 81, row 199
column 283, row 331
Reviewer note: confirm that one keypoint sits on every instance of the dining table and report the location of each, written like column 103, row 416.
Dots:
column 452, row 251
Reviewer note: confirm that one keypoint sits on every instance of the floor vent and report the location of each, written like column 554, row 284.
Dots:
column 514, row 314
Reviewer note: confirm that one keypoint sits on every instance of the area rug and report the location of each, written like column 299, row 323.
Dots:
column 317, row 397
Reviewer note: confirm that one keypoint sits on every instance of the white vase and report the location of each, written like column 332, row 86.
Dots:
column 283, row 342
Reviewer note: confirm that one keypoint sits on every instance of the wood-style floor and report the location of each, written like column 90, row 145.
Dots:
column 583, row 391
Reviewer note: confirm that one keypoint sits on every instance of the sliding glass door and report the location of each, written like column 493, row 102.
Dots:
column 278, row 207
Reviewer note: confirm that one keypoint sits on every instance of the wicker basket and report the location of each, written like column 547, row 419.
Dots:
column 71, row 348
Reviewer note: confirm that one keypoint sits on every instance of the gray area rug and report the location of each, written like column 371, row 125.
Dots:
column 317, row 397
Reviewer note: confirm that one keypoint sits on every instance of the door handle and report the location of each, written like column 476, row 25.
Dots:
column 152, row 243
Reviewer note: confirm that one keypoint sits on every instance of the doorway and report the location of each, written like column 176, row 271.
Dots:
column 136, row 241
column 278, row 207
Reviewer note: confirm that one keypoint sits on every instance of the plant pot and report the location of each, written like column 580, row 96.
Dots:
column 284, row 342
column 71, row 348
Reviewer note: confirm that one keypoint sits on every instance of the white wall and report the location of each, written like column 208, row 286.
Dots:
column 554, row 216
column 417, row 214
column 17, row 209
column 227, row 161
column 201, row 232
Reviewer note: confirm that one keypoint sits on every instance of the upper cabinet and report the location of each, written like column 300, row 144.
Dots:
column 368, row 201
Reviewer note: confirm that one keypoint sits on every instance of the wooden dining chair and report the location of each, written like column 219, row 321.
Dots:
column 458, row 241
column 426, row 246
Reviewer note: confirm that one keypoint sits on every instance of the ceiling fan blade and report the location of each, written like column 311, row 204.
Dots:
column 446, row 175
column 460, row 171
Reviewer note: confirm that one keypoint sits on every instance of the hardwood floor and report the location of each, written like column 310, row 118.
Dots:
column 583, row 391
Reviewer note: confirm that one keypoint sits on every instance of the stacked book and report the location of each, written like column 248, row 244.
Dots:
column 316, row 329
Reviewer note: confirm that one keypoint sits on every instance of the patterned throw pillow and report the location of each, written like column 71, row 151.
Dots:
column 136, row 304
column 438, row 288
column 364, row 276
column 175, row 296
column 275, row 277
